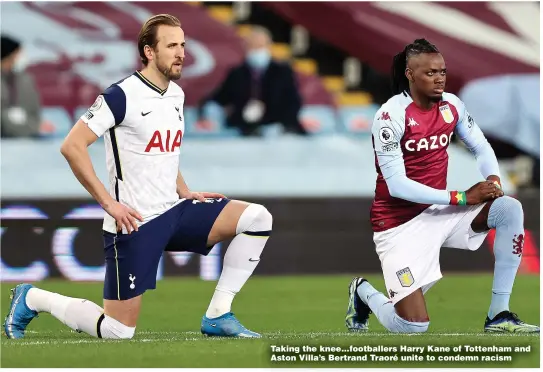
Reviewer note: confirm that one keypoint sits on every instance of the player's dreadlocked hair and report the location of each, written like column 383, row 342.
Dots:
column 399, row 64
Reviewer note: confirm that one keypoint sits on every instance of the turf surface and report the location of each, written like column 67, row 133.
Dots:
column 288, row 311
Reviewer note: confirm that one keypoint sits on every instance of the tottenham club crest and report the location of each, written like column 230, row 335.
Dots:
column 132, row 278
column 446, row 113
column 405, row 277
column 386, row 135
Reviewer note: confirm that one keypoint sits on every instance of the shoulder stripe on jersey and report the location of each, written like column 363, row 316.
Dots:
column 147, row 82
column 116, row 157
column 116, row 101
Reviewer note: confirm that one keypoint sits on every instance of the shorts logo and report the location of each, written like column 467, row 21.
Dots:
column 386, row 135
column 405, row 277
column 207, row 200
column 447, row 114
column 132, row 278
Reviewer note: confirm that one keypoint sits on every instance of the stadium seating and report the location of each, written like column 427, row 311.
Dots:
column 357, row 119
column 69, row 79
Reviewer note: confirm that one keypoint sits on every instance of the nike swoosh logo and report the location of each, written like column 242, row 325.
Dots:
column 147, row 113
column 251, row 260
column 18, row 298
column 213, row 325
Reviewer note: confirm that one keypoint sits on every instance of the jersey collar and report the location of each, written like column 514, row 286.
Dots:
column 146, row 81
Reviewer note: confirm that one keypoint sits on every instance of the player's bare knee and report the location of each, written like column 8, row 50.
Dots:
column 125, row 312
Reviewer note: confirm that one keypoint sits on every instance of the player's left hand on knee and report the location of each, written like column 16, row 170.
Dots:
column 498, row 191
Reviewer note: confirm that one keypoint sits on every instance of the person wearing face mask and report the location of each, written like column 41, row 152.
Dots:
column 260, row 91
column 20, row 110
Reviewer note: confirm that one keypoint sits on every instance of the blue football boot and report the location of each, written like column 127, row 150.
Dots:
column 19, row 315
column 226, row 325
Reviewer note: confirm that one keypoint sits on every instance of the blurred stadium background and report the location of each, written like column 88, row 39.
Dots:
column 318, row 186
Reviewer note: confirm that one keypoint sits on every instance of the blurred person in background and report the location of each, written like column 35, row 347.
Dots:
column 260, row 91
column 20, row 110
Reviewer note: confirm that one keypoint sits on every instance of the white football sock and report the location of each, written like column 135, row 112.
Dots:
column 385, row 312
column 507, row 217
column 79, row 314
column 241, row 258
column 113, row 329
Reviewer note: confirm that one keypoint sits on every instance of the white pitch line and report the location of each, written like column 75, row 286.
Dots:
column 314, row 334
column 297, row 336
column 92, row 341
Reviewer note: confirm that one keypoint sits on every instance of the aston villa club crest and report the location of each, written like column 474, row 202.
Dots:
column 446, row 113
column 405, row 277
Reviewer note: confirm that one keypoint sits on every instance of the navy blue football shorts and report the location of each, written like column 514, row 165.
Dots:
column 132, row 259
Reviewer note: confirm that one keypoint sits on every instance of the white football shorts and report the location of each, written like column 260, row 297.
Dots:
column 409, row 253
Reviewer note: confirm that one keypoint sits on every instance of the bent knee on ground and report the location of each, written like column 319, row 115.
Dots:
column 400, row 325
column 414, row 327
column 111, row 328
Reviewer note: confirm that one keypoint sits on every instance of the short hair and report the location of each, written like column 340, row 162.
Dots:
column 399, row 64
column 147, row 35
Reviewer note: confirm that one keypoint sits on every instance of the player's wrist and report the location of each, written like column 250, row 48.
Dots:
column 184, row 194
column 457, row 198
column 106, row 202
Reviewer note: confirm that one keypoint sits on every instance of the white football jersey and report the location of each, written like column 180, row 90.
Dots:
column 143, row 129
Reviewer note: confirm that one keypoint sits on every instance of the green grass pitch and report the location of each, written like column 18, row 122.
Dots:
column 294, row 311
